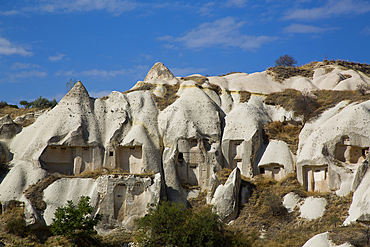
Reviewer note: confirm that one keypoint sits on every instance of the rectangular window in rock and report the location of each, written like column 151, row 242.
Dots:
column 236, row 153
column 316, row 178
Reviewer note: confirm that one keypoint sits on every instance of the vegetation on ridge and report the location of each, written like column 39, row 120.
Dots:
column 311, row 105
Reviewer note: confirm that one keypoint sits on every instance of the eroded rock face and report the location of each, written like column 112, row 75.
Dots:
column 159, row 71
column 322, row 240
column 8, row 129
column 225, row 200
column 336, row 135
column 206, row 125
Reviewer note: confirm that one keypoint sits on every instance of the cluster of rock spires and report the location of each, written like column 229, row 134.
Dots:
column 173, row 151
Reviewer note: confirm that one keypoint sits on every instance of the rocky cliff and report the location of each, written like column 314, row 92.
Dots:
column 167, row 137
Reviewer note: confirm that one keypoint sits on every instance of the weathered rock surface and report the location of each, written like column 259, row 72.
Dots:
column 210, row 123
column 322, row 240
column 290, row 201
column 8, row 128
column 360, row 207
column 226, row 198
column 312, row 208
column 332, row 147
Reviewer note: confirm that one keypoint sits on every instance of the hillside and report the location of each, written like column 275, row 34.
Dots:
column 280, row 155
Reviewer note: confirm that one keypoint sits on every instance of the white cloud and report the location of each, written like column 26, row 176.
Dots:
column 300, row 28
column 7, row 48
column 222, row 32
column 17, row 66
column 27, row 74
column 187, row 71
column 99, row 94
column 103, row 73
column 67, row 6
column 366, row 31
column 56, row 58
column 10, row 12
column 206, row 9
column 330, row 9
column 236, row 3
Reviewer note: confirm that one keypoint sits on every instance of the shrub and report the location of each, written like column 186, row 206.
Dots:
column 40, row 103
column 285, row 61
column 75, row 222
column 173, row 225
column 15, row 220
column 4, row 104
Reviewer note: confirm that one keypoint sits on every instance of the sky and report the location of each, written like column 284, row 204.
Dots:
column 111, row 44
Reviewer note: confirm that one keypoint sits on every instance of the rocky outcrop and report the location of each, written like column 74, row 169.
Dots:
column 322, row 240
column 8, row 128
column 277, row 160
column 226, row 199
column 159, row 71
column 310, row 208
column 184, row 130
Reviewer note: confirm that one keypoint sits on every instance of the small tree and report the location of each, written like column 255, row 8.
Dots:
column 70, row 84
column 40, row 102
column 73, row 222
column 25, row 103
column 285, row 61
column 173, row 225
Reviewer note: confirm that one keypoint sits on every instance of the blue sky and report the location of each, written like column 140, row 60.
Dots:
column 111, row 44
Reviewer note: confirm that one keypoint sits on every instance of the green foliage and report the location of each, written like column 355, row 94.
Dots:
column 4, row 104
column 73, row 222
column 285, row 61
column 40, row 103
column 173, row 225
column 25, row 103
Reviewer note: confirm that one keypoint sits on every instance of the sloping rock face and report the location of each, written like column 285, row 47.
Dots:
column 169, row 134
column 331, row 148
column 359, row 209
column 8, row 128
column 225, row 201
column 322, row 240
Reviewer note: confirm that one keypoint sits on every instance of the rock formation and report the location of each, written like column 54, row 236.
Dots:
column 167, row 138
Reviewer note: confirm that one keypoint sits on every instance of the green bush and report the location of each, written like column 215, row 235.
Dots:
column 40, row 103
column 4, row 104
column 173, row 225
column 75, row 222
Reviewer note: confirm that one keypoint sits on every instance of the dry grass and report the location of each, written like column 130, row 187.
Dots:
column 291, row 99
column 15, row 112
column 223, row 175
column 230, row 73
column 169, row 98
column 144, row 87
column 244, row 96
column 107, row 171
column 216, row 88
column 355, row 234
column 264, row 214
column 197, row 78
column 286, row 132
column 198, row 203
column 35, row 192
column 282, row 73
column 118, row 238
